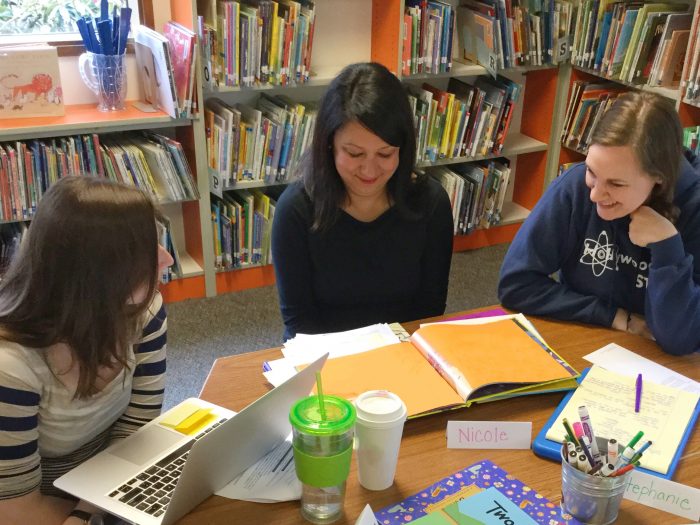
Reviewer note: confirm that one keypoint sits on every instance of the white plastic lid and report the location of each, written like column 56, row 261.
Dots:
column 380, row 406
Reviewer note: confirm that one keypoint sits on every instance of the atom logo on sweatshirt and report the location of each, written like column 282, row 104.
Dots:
column 599, row 254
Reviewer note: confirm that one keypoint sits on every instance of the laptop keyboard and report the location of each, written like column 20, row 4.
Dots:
column 151, row 489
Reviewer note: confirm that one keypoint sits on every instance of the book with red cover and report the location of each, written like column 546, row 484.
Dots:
column 181, row 44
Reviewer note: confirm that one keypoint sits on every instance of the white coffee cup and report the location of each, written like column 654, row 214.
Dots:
column 378, row 429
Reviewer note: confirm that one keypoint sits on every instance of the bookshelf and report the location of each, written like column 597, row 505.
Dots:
column 688, row 111
column 363, row 30
column 345, row 32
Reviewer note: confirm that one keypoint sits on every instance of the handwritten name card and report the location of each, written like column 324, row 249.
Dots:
column 663, row 494
column 489, row 434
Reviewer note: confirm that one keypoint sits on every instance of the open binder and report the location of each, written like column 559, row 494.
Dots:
column 445, row 366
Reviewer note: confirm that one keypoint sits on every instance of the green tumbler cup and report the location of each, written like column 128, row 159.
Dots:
column 322, row 442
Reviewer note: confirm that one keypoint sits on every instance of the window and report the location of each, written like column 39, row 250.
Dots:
column 49, row 20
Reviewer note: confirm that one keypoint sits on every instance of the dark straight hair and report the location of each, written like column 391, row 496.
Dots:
column 90, row 246
column 371, row 95
column 648, row 124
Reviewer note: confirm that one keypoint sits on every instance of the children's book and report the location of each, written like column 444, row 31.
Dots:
column 30, row 82
column 482, row 493
column 156, row 71
column 445, row 366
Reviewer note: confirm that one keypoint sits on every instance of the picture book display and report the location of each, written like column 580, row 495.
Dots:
column 446, row 366
column 30, row 82
column 482, row 493
column 666, row 415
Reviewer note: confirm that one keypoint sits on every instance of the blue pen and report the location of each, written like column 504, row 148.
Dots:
column 641, row 451
column 82, row 28
column 90, row 28
column 124, row 27
column 104, row 10
column 104, row 28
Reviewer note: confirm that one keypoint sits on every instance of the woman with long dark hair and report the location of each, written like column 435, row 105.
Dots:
column 82, row 341
column 360, row 238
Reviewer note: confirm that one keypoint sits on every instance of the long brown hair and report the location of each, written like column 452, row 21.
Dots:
column 91, row 244
column 649, row 124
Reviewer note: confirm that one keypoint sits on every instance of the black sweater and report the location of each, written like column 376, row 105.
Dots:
column 360, row 273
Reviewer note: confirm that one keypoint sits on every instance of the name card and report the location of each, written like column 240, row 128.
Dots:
column 663, row 494
column 367, row 517
column 489, row 434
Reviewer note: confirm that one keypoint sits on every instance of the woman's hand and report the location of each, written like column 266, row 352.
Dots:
column 647, row 226
column 638, row 325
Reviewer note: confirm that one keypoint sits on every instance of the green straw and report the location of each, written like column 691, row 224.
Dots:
column 321, row 402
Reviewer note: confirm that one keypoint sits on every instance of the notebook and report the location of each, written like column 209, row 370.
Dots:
column 461, row 499
column 446, row 366
column 167, row 467
column 667, row 418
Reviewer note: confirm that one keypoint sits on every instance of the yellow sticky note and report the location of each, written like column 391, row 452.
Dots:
column 188, row 418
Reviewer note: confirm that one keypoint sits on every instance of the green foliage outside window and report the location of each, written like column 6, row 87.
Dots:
column 44, row 16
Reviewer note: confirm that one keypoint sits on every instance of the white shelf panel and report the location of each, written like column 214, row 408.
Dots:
column 190, row 268
column 513, row 213
column 670, row 93
column 515, row 144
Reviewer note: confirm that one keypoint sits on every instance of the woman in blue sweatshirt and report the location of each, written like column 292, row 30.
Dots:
column 622, row 230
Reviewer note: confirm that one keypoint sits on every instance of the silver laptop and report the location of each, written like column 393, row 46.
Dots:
column 158, row 474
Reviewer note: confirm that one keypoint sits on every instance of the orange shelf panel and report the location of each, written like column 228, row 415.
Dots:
column 483, row 238
column 181, row 289
column 386, row 36
column 180, row 12
column 236, row 280
column 86, row 115
column 529, row 181
column 193, row 232
column 538, row 104
column 690, row 115
column 569, row 155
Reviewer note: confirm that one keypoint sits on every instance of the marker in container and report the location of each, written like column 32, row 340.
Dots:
column 613, row 451
column 583, row 464
column 635, row 439
column 587, row 452
column 621, row 471
column 625, row 458
column 588, row 431
column 572, row 458
column 570, row 447
column 569, row 432
column 578, row 430
column 640, row 451
column 607, row 469
column 596, row 469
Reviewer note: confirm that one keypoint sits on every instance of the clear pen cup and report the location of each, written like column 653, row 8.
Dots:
column 591, row 499
column 105, row 75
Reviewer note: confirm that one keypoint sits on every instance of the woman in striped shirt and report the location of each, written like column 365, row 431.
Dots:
column 82, row 341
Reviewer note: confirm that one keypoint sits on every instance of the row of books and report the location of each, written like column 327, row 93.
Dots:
column 150, row 161
column 639, row 43
column 507, row 33
column 261, row 142
column 465, row 120
column 242, row 227
column 587, row 103
column 428, row 35
column 257, row 42
column 692, row 77
column 167, row 64
column 477, row 192
column 11, row 236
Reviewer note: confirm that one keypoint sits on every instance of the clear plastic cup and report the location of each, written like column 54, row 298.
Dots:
column 322, row 451
column 591, row 499
column 380, row 419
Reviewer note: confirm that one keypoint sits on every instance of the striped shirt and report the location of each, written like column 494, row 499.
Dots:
column 45, row 432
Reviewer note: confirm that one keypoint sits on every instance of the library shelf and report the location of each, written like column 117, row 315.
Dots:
column 669, row 93
column 86, row 118
column 515, row 144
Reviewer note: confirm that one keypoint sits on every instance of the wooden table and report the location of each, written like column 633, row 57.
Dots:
column 236, row 381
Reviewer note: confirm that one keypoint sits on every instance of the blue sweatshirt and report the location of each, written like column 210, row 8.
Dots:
column 601, row 270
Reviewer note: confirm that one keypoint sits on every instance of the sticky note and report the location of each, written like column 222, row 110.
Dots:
column 188, row 418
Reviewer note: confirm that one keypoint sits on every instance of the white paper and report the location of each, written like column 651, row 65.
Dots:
column 367, row 517
column 489, row 434
column 617, row 359
column 270, row 480
column 663, row 494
